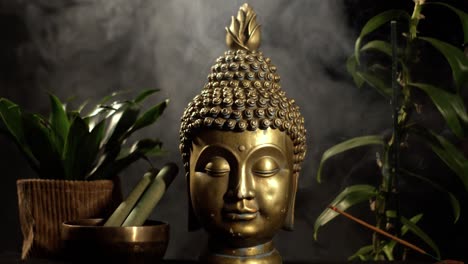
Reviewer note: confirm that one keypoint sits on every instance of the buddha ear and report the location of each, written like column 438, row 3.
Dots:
column 193, row 223
column 289, row 221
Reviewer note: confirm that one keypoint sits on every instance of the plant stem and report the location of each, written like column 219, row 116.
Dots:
column 387, row 207
column 415, row 17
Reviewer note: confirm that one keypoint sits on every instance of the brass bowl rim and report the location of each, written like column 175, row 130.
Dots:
column 80, row 223
column 89, row 228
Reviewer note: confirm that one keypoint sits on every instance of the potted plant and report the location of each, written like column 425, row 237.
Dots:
column 403, row 60
column 77, row 159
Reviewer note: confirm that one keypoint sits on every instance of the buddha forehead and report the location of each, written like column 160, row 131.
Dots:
column 242, row 141
column 241, row 144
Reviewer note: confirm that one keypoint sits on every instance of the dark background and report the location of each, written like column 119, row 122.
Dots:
column 89, row 48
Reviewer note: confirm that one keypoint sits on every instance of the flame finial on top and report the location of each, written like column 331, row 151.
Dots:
column 244, row 31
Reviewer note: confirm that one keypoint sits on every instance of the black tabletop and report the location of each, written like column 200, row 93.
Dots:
column 14, row 258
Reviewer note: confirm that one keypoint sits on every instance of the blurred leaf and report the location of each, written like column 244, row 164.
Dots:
column 455, row 57
column 144, row 146
column 41, row 142
column 81, row 107
column 453, row 200
column 462, row 15
column 444, row 101
column 453, row 157
column 143, row 95
column 149, row 117
column 446, row 151
column 10, row 114
column 93, row 144
column 157, row 151
column 348, row 197
column 137, row 151
column 102, row 112
column 351, row 66
column 377, row 83
column 347, row 145
column 75, row 150
column 58, row 121
column 413, row 228
column 379, row 45
column 105, row 161
column 120, row 123
column 363, row 254
column 107, row 98
column 390, row 246
column 11, row 121
column 376, row 22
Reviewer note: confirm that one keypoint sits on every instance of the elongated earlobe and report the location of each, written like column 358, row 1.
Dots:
column 289, row 221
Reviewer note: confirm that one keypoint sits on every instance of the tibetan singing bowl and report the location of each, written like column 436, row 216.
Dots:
column 86, row 241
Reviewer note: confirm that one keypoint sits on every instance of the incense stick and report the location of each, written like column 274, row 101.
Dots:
column 380, row 231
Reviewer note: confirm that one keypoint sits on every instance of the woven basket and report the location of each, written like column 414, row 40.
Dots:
column 45, row 204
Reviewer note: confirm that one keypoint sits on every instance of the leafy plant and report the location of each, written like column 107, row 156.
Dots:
column 406, row 61
column 74, row 146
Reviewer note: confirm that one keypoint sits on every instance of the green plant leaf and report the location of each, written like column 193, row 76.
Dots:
column 12, row 121
column 455, row 57
column 156, row 152
column 143, row 95
column 137, row 151
column 10, row 114
column 92, row 146
column 347, row 145
column 375, row 23
column 145, row 146
column 445, row 103
column 107, row 98
column 104, row 164
column 378, row 45
column 75, row 150
column 453, row 157
column 452, row 199
column 413, row 228
column 81, row 149
column 377, row 83
column 120, row 123
column 351, row 66
column 149, row 117
column 363, row 254
column 390, row 246
column 40, row 140
column 348, row 197
column 446, row 151
column 58, row 121
column 462, row 15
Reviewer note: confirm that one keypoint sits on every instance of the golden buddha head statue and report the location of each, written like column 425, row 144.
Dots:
column 242, row 144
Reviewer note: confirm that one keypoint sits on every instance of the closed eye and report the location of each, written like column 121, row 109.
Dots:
column 216, row 173
column 265, row 167
column 264, row 173
column 217, row 167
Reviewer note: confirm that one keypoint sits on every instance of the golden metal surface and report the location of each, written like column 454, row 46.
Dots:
column 241, row 196
column 87, row 240
column 244, row 32
column 242, row 144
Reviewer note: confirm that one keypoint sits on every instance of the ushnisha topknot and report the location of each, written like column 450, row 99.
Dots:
column 243, row 93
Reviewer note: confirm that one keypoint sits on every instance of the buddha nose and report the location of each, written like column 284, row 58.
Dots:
column 244, row 186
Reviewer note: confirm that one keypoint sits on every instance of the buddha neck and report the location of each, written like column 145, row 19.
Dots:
column 218, row 253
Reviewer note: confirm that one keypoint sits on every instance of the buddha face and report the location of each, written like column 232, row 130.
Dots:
column 241, row 183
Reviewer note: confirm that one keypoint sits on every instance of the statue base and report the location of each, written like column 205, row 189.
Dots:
column 260, row 254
